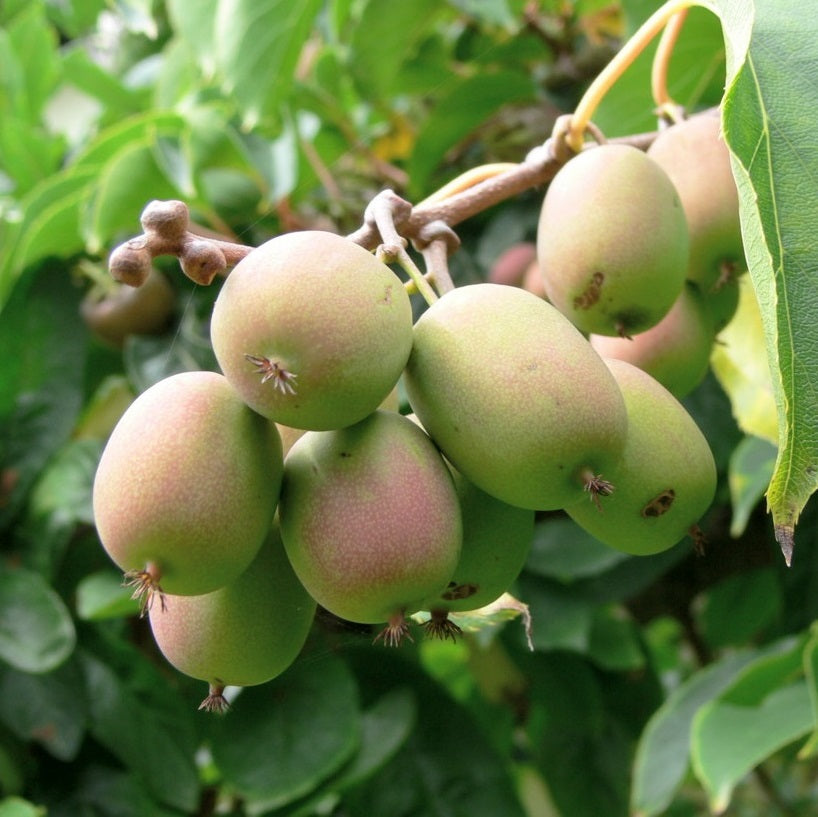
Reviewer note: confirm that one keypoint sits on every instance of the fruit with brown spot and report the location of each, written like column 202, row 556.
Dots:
column 612, row 241
column 514, row 395
column 676, row 351
column 695, row 157
column 666, row 478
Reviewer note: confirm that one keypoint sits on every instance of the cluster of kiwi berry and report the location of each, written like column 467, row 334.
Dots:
column 237, row 502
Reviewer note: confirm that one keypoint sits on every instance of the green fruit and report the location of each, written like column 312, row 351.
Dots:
column 370, row 519
column 514, row 395
column 126, row 310
column 312, row 330
column 696, row 159
column 243, row 634
column 665, row 479
column 187, row 486
column 496, row 541
column 612, row 241
column 676, row 351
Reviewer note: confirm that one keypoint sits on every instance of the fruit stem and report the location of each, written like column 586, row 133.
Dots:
column 607, row 78
column 468, row 179
column 665, row 105
column 389, row 253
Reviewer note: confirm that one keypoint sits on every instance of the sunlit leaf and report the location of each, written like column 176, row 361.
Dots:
column 772, row 78
column 739, row 361
column 751, row 466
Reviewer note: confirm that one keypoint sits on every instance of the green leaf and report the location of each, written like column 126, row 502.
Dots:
column 49, row 709
column 101, row 596
column 614, row 640
column 41, row 373
column 50, row 225
column 562, row 550
column 117, row 201
column 695, row 77
column 17, row 807
column 661, row 760
column 730, row 740
column 751, row 466
column 385, row 727
column 739, row 607
column 84, row 73
column 772, row 78
column 282, row 739
column 739, row 362
column 36, row 630
column 384, row 37
column 257, row 49
column 194, row 23
column 64, row 489
column 810, row 748
column 158, row 746
column 466, row 104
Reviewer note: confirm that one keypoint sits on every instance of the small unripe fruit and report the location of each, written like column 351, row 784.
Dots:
column 697, row 160
column 511, row 265
column 370, row 519
column 187, row 485
column 665, row 479
column 127, row 310
column 514, row 395
column 676, row 351
column 243, row 634
column 312, row 330
column 612, row 241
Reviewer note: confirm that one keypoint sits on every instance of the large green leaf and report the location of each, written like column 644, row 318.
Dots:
column 36, row 630
column 257, row 48
column 664, row 748
column 772, row 80
column 156, row 745
column 729, row 740
column 284, row 738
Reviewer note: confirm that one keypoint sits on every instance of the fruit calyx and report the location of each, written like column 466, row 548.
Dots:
column 596, row 486
column 215, row 700
column 272, row 370
column 146, row 587
column 441, row 626
column 395, row 631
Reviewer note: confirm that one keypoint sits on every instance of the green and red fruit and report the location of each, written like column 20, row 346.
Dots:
column 612, row 241
column 676, row 351
column 695, row 157
column 665, row 480
column 370, row 520
column 312, row 330
column 187, row 486
column 514, row 396
column 243, row 634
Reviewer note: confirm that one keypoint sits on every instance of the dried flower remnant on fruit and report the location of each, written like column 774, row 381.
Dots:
column 215, row 700
column 596, row 487
column 441, row 626
column 146, row 587
column 270, row 370
column 395, row 631
column 660, row 504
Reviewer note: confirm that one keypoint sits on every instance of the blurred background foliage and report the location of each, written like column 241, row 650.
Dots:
column 676, row 684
